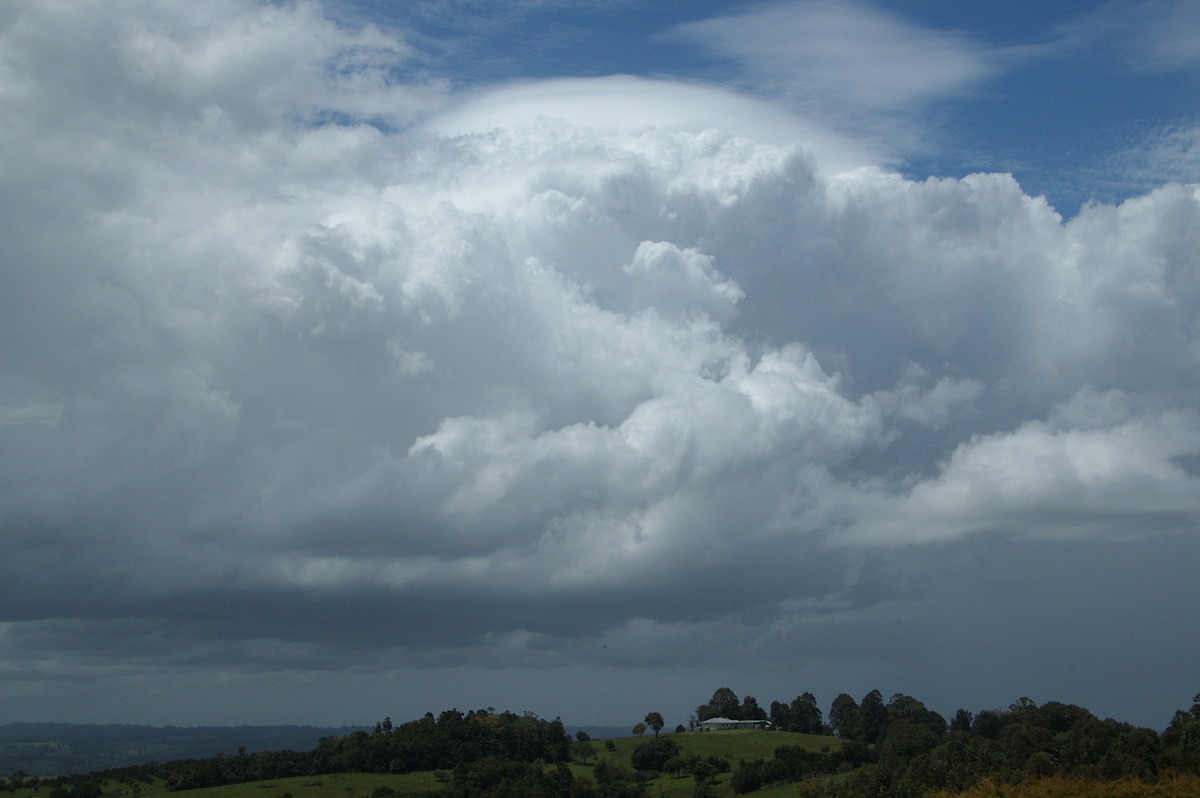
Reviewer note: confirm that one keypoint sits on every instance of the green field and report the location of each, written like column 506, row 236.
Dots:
column 731, row 746
column 735, row 745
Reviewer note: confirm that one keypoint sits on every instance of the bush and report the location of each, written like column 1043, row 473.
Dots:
column 606, row 772
column 746, row 778
column 654, row 754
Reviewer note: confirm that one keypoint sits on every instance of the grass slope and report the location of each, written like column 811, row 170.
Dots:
column 731, row 746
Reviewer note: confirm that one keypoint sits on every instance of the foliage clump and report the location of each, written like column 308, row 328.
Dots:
column 654, row 754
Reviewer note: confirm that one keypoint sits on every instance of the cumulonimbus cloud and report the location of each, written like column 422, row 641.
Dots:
column 261, row 338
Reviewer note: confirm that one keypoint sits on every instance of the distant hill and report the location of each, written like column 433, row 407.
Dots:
column 53, row 749
column 599, row 732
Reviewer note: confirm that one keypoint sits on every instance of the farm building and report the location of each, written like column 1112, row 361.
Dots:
column 715, row 724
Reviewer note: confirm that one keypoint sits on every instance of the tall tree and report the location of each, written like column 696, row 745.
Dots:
column 872, row 716
column 781, row 716
column 843, row 717
column 723, row 704
column 750, row 709
column 806, row 716
column 903, row 707
column 655, row 721
column 1181, row 740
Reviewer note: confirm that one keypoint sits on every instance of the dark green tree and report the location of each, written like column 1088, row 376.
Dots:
column 582, row 751
column 780, row 716
column 654, row 754
column 988, row 723
column 87, row 789
column 606, row 771
column 655, row 721
column 906, row 708
column 872, row 717
column 1181, row 740
column 843, row 717
column 750, row 710
column 704, row 773
column 805, row 715
column 747, row 777
column 723, row 704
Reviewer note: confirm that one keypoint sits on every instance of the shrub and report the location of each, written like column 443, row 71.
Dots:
column 654, row 754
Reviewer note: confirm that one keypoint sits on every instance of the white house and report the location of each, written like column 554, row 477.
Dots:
column 715, row 724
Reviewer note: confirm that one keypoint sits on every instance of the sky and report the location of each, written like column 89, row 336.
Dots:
column 367, row 358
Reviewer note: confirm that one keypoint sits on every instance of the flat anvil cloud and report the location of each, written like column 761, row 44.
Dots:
column 281, row 389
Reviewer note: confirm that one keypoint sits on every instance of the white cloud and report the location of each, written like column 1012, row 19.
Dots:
column 1171, row 35
column 568, row 343
column 1170, row 154
column 1094, row 474
column 1149, row 36
column 932, row 406
column 673, row 280
column 627, row 106
column 862, row 54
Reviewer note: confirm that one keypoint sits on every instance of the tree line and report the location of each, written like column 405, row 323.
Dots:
column 474, row 747
column 877, row 748
column 902, row 748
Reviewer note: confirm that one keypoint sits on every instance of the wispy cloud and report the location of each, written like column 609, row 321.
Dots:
column 1166, row 154
column 1146, row 36
column 846, row 61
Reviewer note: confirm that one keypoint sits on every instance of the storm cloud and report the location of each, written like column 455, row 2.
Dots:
column 314, row 371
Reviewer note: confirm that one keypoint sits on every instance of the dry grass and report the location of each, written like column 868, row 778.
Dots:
column 1181, row 786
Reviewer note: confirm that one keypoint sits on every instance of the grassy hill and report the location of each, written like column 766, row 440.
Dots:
column 731, row 746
